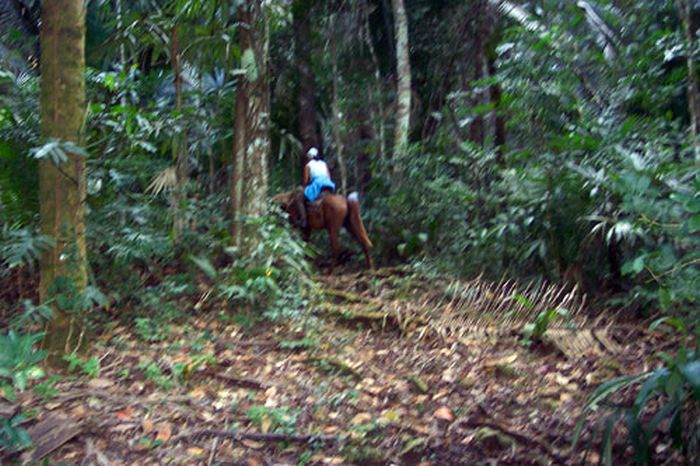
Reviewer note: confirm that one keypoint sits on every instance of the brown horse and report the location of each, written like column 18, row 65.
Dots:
column 331, row 212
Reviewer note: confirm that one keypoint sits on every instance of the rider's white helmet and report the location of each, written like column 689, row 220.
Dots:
column 312, row 153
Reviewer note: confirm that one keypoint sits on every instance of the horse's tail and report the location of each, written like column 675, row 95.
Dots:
column 354, row 221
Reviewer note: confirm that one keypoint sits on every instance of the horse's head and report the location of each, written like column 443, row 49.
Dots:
column 286, row 202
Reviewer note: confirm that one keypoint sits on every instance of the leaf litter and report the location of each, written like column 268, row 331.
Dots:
column 373, row 390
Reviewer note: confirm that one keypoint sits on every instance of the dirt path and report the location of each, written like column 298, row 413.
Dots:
column 362, row 385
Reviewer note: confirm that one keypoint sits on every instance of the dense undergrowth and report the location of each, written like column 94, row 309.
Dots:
column 597, row 185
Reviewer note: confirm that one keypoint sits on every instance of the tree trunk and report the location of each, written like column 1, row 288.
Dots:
column 62, row 188
column 239, row 136
column 499, row 124
column 690, row 25
column 212, row 169
column 122, row 50
column 339, row 147
column 258, row 114
column 378, row 91
column 403, row 71
column 179, row 149
column 476, row 130
column 308, row 131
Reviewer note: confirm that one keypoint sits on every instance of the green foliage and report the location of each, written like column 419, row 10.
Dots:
column 19, row 359
column 150, row 330
column 12, row 436
column 537, row 328
column 47, row 389
column 273, row 277
column 32, row 316
column 155, row 375
column 89, row 367
column 18, row 366
column 183, row 371
column 21, row 246
column 668, row 394
column 57, row 151
column 19, row 132
column 306, row 343
column 282, row 420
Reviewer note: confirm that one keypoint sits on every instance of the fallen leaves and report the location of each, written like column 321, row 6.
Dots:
column 443, row 413
column 125, row 414
column 377, row 391
column 361, row 418
column 100, row 384
column 164, row 431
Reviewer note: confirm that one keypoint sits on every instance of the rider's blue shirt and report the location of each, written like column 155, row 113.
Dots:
column 313, row 190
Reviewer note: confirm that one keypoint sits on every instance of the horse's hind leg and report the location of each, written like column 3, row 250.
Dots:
column 333, row 234
column 353, row 223
column 364, row 244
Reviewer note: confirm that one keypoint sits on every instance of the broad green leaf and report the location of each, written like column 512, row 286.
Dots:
column 691, row 373
column 205, row 266
column 694, row 223
column 672, row 321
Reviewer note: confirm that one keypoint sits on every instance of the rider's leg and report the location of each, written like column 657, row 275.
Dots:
column 300, row 203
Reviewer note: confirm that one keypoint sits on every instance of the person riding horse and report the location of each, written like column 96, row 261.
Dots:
column 317, row 178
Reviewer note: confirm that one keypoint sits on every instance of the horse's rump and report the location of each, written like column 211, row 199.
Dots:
column 354, row 223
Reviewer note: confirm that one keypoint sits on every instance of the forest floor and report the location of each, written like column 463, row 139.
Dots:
column 358, row 386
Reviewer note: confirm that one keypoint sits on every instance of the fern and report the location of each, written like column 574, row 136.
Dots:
column 21, row 246
column 31, row 316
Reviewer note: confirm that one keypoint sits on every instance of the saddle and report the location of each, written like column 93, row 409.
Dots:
column 315, row 205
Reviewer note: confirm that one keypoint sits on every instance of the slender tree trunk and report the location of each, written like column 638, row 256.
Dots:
column 212, row 170
column 690, row 26
column 62, row 188
column 308, row 131
column 179, row 148
column 499, row 124
column 239, row 135
column 378, row 91
column 476, row 130
column 339, row 146
column 122, row 50
column 403, row 72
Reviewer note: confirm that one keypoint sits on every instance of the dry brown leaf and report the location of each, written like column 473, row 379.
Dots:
column 147, row 426
column 330, row 430
column 505, row 360
column 125, row 414
column 195, row 451
column 449, row 375
column 334, row 460
column 100, row 383
column 361, row 418
column 199, row 392
column 444, row 413
column 252, row 443
column 442, row 394
column 165, row 431
column 265, row 425
column 206, row 416
column 78, row 411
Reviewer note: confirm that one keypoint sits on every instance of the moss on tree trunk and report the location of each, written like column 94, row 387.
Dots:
column 251, row 131
column 62, row 188
column 403, row 71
